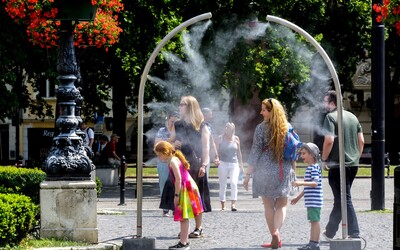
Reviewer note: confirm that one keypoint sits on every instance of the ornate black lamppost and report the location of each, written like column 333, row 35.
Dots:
column 68, row 208
column 67, row 158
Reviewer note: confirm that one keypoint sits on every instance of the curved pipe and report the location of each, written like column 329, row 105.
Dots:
column 335, row 78
column 150, row 61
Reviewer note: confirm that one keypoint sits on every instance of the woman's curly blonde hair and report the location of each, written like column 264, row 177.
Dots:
column 279, row 126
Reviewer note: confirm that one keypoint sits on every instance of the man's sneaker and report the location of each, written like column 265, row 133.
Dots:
column 197, row 233
column 180, row 246
column 309, row 247
column 326, row 237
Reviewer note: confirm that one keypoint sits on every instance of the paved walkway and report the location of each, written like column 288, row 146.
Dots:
column 244, row 229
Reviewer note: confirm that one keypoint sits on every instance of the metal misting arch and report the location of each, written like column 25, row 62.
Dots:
column 150, row 61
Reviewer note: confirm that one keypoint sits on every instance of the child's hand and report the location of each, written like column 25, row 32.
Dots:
column 176, row 201
column 296, row 184
column 294, row 201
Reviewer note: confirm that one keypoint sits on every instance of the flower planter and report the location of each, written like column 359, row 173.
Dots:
column 79, row 10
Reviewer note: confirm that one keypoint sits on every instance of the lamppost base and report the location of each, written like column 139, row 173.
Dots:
column 68, row 210
column 139, row 243
column 345, row 244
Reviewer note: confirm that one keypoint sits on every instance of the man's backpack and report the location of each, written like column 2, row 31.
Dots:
column 292, row 143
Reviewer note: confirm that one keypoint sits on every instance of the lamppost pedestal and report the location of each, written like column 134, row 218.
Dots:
column 69, row 210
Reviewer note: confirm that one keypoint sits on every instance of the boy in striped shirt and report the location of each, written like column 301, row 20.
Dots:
column 313, row 195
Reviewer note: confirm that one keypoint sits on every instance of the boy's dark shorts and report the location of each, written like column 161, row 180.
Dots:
column 314, row 214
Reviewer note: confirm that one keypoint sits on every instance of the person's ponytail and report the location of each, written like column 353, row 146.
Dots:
column 182, row 158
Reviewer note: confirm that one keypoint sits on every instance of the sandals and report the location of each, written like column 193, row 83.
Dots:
column 233, row 208
column 197, row 233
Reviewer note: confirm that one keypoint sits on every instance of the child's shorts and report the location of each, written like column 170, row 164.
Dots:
column 313, row 214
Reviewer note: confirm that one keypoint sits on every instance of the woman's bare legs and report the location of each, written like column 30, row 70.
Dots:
column 275, row 213
column 280, row 212
column 269, row 212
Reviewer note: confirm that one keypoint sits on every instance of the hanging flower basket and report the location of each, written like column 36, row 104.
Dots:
column 389, row 13
column 43, row 18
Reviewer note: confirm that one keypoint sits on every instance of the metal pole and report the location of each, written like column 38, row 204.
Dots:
column 335, row 78
column 122, row 182
column 378, row 114
column 139, row 176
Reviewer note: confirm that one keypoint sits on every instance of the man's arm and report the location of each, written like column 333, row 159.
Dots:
column 115, row 155
column 360, row 142
column 327, row 147
column 91, row 136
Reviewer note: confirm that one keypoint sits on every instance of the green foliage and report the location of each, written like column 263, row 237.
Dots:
column 21, row 181
column 99, row 185
column 17, row 218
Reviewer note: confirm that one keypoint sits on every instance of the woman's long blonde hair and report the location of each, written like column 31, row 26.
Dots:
column 166, row 148
column 193, row 113
column 279, row 126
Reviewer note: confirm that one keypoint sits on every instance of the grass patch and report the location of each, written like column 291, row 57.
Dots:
column 30, row 243
column 384, row 211
column 301, row 167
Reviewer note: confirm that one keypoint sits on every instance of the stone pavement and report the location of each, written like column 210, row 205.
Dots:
column 244, row 229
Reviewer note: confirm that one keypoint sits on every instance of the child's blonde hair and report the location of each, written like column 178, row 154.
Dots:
column 166, row 148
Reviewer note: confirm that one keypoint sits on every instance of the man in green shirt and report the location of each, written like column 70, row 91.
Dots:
column 353, row 147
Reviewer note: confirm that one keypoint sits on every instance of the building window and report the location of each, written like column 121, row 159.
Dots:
column 47, row 88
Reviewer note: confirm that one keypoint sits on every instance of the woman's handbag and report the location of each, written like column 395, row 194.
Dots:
column 292, row 189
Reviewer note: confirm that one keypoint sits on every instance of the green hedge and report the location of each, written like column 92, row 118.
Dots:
column 21, row 181
column 17, row 218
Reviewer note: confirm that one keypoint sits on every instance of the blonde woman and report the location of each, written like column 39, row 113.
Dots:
column 269, row 170
column 192, row 137
column 230, row 164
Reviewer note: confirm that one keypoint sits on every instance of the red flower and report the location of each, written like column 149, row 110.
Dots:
column 389, row 13
column 41, row 30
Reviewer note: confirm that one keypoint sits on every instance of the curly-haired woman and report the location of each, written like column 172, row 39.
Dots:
column 269, row 169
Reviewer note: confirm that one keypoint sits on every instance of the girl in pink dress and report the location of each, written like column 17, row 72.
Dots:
column 186, row 197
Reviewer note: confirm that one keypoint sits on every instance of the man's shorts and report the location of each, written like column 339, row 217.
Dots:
column 314, row 214
column 114, row 162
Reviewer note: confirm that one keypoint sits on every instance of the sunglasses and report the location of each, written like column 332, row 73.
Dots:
column 270, row 103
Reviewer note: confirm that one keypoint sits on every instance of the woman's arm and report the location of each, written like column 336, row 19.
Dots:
column 239, row 153
column 205, row 143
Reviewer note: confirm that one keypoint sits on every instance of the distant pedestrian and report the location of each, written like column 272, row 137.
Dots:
column 313, row 195
column 186, row 196
column 100, row 154
column 353, row 146
column 164, row 134
column 230, row 164
column 208, row 116
column 112, row 156
column 89, row 134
